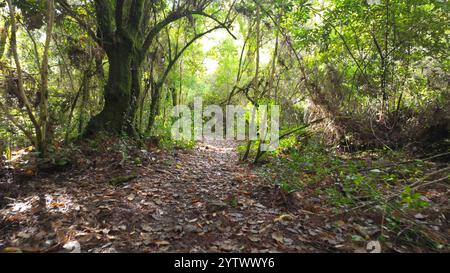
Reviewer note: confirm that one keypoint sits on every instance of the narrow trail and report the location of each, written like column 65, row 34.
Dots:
column 199, row 200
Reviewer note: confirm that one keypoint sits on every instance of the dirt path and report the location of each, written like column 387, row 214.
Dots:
column 199, row 200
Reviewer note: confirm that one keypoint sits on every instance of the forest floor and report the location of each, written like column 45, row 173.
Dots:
column 186, row 200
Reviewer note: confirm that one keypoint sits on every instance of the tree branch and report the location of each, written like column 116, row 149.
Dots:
column 119, row 13
column 105, row 20
column 135, row 17
column 172, row 17
column 68, row 9
column 178, row 54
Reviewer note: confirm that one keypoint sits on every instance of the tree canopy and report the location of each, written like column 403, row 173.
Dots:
column 357, row 82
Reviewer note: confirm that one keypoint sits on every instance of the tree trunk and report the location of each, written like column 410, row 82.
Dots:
column 154, row 106
column 3, row 37
column 43, row 138
column 136, row 75
column 84, row 92
column 173, row 90
column 255, row 80
column 115, row 116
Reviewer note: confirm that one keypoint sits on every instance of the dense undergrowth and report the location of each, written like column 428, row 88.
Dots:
column 403, row 196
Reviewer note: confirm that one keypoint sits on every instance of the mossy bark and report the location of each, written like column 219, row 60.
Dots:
column 120, row 32
column 136, row 76
column 154, row 107
column 117, row 113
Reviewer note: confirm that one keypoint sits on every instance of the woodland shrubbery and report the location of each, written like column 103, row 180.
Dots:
column 354, row 125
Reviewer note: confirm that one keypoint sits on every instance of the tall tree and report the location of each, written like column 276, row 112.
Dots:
column 126, row 32
column 40, row 120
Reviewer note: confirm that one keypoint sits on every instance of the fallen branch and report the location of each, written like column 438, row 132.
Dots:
column 432, row 182
column 430, row 174
column 406, row 162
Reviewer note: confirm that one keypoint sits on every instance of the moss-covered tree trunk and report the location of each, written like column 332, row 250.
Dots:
column 154, row 106
column 126, row 36
column 114, row 117
column 118, row 34
column 136, row 89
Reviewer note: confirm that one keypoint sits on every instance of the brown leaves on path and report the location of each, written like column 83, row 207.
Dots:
column 200, row 200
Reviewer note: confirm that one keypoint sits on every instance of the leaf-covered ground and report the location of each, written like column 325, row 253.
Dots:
column 193, row 200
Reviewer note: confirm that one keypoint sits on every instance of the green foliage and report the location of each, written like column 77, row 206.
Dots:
column 357, row 185
column 33, row 11
column 412, row 199
column 347, row 179
column 162, row 131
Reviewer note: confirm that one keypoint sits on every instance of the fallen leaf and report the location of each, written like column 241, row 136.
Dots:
column 357, row 238
column 419, row 216
column 23, row 235
column 285, row 217
column 278, row 237
column 11, row 250
column 57, row 204
column 373, row 247
column 123, row 227
column 191, row 229
column 340, row 223
column 161, row 243
column 146, row 227
column 359, row 250
column 73, row 246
